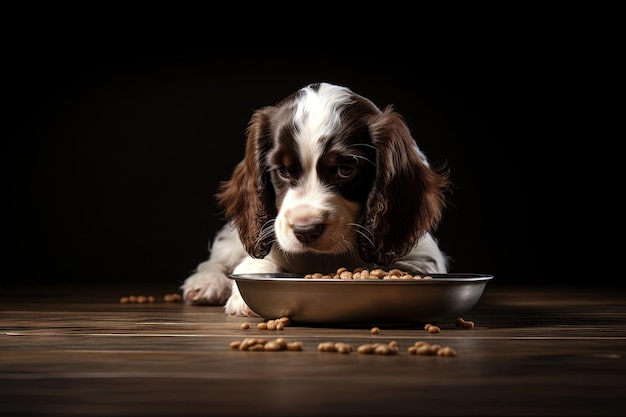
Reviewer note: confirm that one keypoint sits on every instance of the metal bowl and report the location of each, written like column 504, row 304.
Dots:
column 332, row 301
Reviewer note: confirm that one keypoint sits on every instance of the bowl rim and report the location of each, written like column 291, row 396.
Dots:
column 438, row 278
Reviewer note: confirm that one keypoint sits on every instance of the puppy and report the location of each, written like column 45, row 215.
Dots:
column 328, row 180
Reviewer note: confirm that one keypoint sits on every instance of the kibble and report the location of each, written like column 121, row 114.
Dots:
column 342, row 347
column 326, row 347
column 384, row 350
column 139, row 299
column 365, row 274
column 256, row 347
column 375, row 330
column 420, row 348
column 366, row 348
column 462, row 323
column 272, row 346
column 296, row 345
column 446, row 351
column 434, row 329
column 431, row 328
column 260, row 344
column 390, row 348
column 172, row 297
column 274, row 324
column 426, row 349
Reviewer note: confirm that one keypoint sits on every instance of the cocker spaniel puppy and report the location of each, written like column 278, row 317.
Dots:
column 328, row 180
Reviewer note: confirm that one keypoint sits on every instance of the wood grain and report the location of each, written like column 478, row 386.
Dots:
column 77, row 351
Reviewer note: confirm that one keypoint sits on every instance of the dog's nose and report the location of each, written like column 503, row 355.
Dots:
column 308, row 233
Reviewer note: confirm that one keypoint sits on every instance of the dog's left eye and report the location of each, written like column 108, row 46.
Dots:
column 346, row 171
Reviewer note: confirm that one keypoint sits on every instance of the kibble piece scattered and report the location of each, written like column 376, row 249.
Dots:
column 140, row 299
column 446, row 351
column 434, row 329
column 375, row 330
column 468, row 324
column 366, row 348
column 172, row 297
column 282, row 343
column 462, row 323
column 426, row 349
column 285, row 321
column 245, row 326
column 252, row 343
column 326, row 347
column 431, row 328
column 272, row 346
column 383, row 350
column 342, row 347
column 256, row 347
column 274, row 324
column 390, row 348
column 297, row 345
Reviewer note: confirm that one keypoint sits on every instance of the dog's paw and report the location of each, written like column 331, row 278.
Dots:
column 236, row 306
column 206, row 288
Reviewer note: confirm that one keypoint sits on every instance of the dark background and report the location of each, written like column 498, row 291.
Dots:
column 113, row 149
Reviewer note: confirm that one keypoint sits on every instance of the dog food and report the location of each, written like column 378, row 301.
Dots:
column 390, row 348
column 364, row 273
column 274, row 324
column 260, row 344
column 426, row 349
column 139, row 299
column 172, row 298
column 462, row 323
column 142, row 299
column 339, row 347
column 431, row 328
column 420, row 348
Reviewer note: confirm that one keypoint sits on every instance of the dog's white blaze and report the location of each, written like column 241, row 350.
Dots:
column 317, row 116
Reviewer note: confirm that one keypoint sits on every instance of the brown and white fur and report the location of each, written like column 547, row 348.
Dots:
column 328, row 180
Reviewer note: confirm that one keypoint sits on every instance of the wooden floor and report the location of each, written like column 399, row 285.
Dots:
column 80, row 352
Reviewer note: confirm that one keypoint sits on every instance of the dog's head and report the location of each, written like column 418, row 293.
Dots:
column 326, row 171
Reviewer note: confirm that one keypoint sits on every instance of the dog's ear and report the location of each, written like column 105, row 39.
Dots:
column 248, row 198
column 408, row 196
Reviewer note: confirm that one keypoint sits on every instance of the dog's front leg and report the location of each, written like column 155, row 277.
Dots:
column 210, row 284
column 236, row 306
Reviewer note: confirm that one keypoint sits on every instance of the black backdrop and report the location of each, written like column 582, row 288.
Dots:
column 112, row 154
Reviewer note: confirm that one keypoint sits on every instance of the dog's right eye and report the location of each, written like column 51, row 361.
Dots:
column 283, row 172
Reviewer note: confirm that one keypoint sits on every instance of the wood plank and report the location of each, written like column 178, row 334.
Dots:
column 78, row 351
